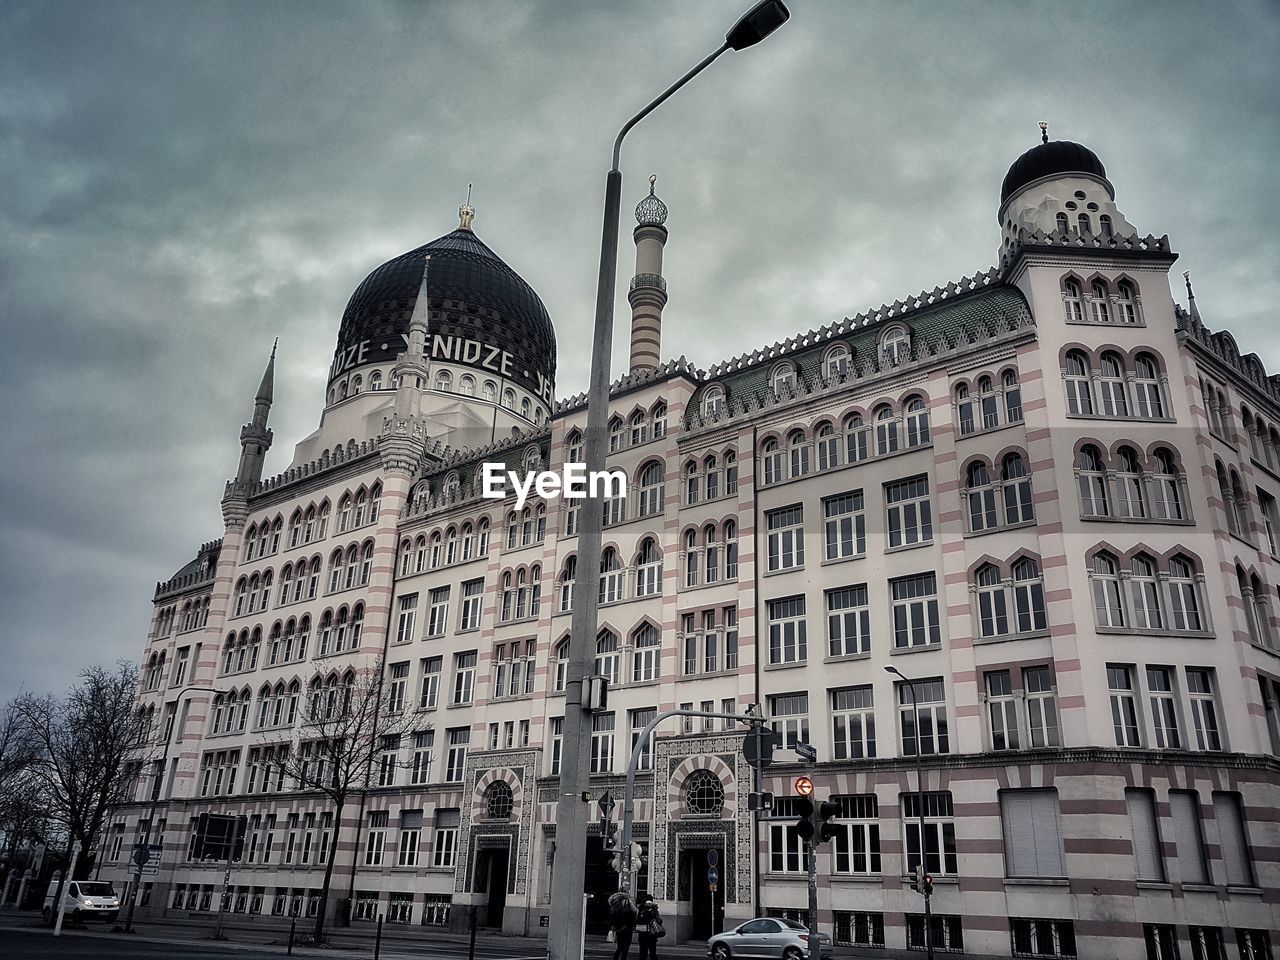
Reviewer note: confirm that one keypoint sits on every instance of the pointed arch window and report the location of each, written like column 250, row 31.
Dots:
column 1108, row 602
column 606, row 663
column 1111, row 386
column 730, row 473
column 1093, row 482
column 1166, row 488
column 648, row 569
column 1063, row 222
column 993, row 612
column 1019, row 507
column 691, row 558
column 651, row 490
column 1079, row 395
column 1129, row 485
column 1145, row 591
column 611, row 576
column 560, row 665
column 1184, row 598
column 647, row 654
column 1127, row 302
column 639, row 429
column 658, row 417
column 982, row 497
column 1072, row 301
column 965, row 406
column 730, row 550
column 1101, row 302
column 1083, row 221
column 1228, row 501
column 987, row 403
column 712, row 471
column 1146, row 384
column 568, row 576
column 1028, row 596
column 615, row 434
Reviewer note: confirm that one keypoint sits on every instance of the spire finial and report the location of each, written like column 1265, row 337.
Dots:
column 653, row 182
column 275, row 344
column 466, row 212
column 1044, row 131
column 1191, row 296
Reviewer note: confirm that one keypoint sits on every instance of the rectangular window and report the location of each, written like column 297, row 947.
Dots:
column 787, row 640
column 429, row 693
column 557, row 743
column 1041, row 706
column 785, row 538
column 853, row 723
column 459, row 739
column 1206, row 943
column 445, row 846
column 790, row 713
column 939, row 833
column 932, row 736
column 1270, row 520
column 1253, row 944
column 420, row 770
column 848, row 621
column 464, row 677
column 859, row 928
column 1229, row 812
column 1032, row 833
column 787, row 852
column 1002, row 711
column 410, row 837
column 1204, row 707
column 915, row 611
column 1124, row 706
column 1042, row 938
column 408, row 606
column 909, row 518
column 846, row 525
column 472, row 600
column 602, row 725
column 639, row 720
column 396, row 690
column 1162, row 941
column 947, row 936
column 1164, row 715
column 438, row 612
column 388, row 759
column 856, row 845
column 1147, row 857
column 1184, row 810
column 376, row 840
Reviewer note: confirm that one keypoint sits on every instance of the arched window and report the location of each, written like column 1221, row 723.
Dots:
column 731, row 471
column 1166, row 492
column 444, row 380
column 648, row 569
column 357, row 384
column 1145, row 591
column 1104, row 226
column 1094, row 501
column 713, row 402
column 965, row 410
column 895, row 346
column 344, row 513
column 771, row 452
column 730, row 550
column 1028, row 596
column 1107, row 600
column 295, row 529
column 498, row 802
column 366, row 563
column 837, row 363
column 993, row 612
column 783, row 378
column 691, row 556
column 647, row 657
column 611, row 574
column 713, row 477
column 658, row 417
column 375, row 380
column 1146, row 384
column 560, row 665
column 1241, row 501
column 1183, row 596
column 1016, row 482
column 568, row 576
column 322, row 521
column 704, row 794
column 490, row 391
column 886, row 431
column 1115, row 401
column 606, row 664
column 692, row 482
column 615, row 434
column 828, row 444
column 639, row 429
column 509, row 399
column 1127, row 302
column 1101, row 305
column 1012, row 397
column 360, row 515
column 855, row 438
column 651, row 490
column 467, row 385
column 1063, row 221
column 982, row 497
column 1083, row 221
column 1072, row 302
column 526, row 408
column 798, row 446
column 242, row 591
column 1129, row 485
column 917, row 420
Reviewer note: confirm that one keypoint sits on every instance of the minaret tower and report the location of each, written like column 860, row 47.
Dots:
column 255, row 436
column 648, row 294
column 404, row 432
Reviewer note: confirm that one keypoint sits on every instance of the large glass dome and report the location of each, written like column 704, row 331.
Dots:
column 483, row 315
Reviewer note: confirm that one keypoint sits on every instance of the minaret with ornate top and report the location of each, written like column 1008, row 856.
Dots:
column 648, row 294
column 404, row 433
column 255, row 436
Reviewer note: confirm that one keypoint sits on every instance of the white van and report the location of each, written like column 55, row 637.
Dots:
column 85, row 900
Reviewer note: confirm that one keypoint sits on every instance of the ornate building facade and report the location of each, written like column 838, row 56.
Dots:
column 1045, row 493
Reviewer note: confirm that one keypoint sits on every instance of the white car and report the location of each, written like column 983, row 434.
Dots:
column 84, row 899
column 767, row 937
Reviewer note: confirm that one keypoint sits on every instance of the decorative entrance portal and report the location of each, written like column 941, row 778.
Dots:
column 491, row 879
column 707, row 905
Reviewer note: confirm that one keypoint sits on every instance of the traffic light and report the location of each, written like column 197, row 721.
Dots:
column 804, row 812
column 828, row 810
column 917, row 879
column 609, row 831
column 928, row 885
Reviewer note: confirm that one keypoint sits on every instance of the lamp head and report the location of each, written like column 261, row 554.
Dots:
column 894, row 670
column 757, row 23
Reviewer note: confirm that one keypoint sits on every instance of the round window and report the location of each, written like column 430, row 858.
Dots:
column 704, row 794
column 1070, row 204
column 498, row 800
column 1079, row 194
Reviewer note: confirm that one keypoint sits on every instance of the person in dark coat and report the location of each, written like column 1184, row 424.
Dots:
column 622, row 918
column 648, row 927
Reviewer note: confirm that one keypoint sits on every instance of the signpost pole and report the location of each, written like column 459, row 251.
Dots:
column 62, row 901
column 814, row 952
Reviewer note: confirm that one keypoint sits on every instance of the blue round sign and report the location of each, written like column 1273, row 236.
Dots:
column 713, row 875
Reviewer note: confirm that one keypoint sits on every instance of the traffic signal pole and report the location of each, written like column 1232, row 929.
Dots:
column 815, row 953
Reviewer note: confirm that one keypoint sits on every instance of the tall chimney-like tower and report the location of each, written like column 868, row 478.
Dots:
column 648, row 294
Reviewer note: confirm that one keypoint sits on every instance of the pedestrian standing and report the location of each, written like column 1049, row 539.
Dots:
column 649, row 927
column 622, row 918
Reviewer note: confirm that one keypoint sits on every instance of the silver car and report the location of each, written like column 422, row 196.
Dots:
column 767, row 937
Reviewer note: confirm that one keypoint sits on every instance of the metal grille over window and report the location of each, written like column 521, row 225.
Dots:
column 704, row 794
column 498, row 801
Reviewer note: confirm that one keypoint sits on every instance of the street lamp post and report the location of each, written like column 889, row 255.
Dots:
column 565, row 939
column 138, row 864
column 924, row 891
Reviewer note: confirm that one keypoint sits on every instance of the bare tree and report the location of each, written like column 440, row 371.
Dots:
column 22, row 804
column 343, row 727
column 85, row 741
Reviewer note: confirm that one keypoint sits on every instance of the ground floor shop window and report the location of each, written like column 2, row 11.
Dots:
column 435, row 910
column 859, row 929
column 947, row 935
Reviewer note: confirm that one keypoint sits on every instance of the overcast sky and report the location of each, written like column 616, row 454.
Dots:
column 180, row 182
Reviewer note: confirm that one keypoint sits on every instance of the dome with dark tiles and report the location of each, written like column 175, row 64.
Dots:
column 1049, row 159
column 482, row 314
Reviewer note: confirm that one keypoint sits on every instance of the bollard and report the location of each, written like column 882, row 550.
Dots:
column 293, row 925
column 377, row 939
column 471, row 947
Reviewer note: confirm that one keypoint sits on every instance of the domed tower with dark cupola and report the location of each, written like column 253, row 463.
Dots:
column 491, row 346
column 1055, row 186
